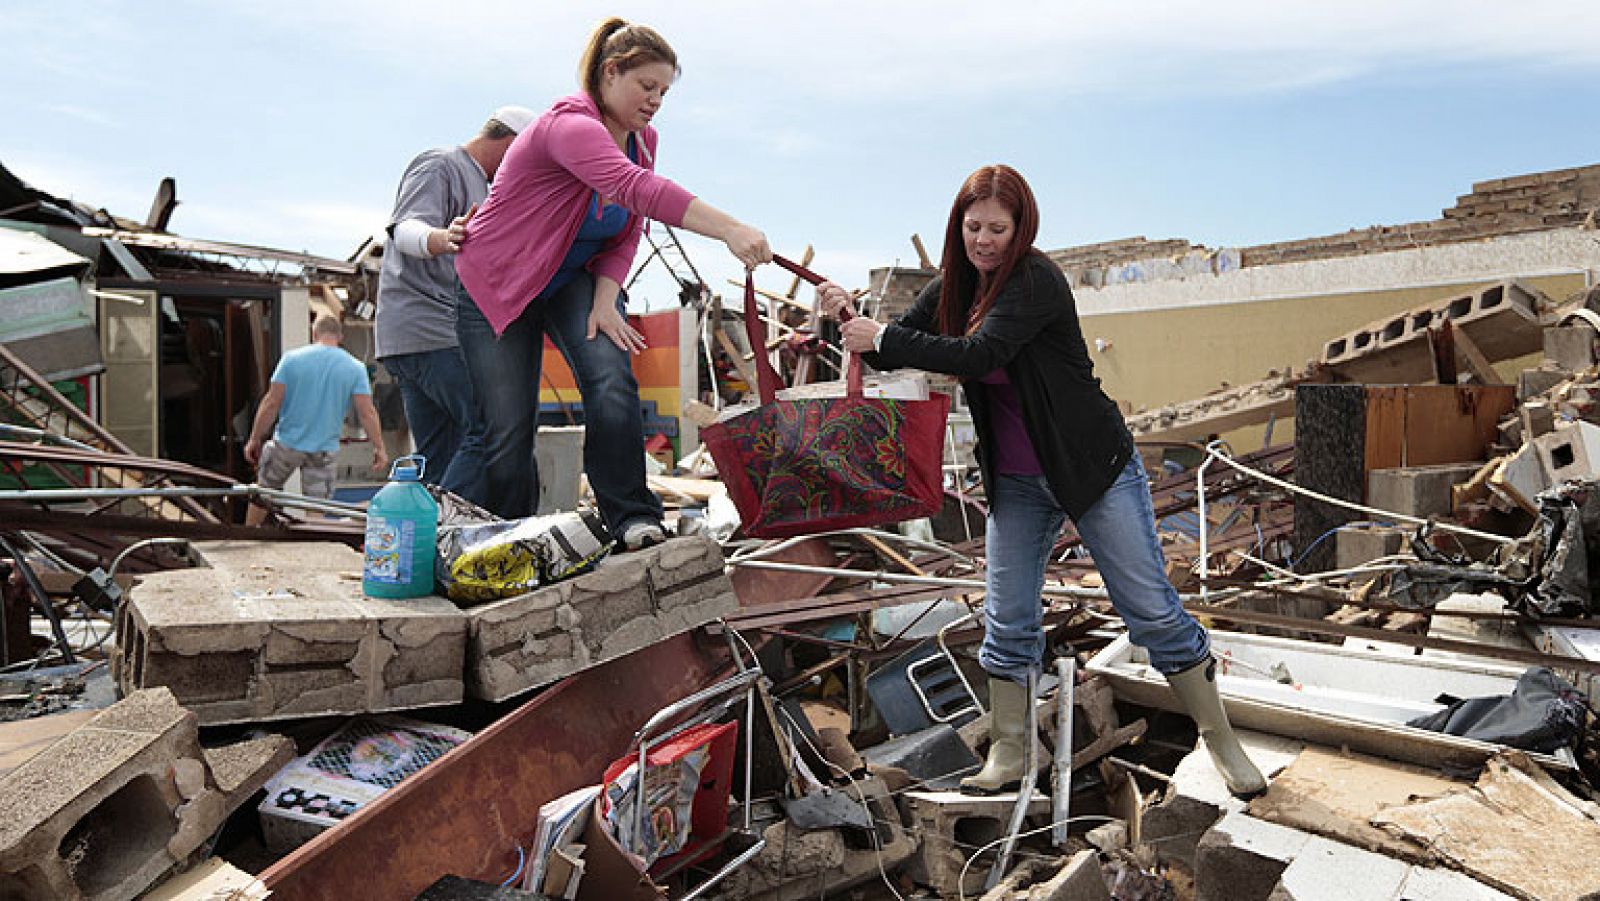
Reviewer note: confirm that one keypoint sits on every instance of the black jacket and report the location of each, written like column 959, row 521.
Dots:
column 1032, row 330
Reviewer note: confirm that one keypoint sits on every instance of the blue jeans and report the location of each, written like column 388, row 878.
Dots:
column 1119, row 531
column 443, row 414
column 505, row 373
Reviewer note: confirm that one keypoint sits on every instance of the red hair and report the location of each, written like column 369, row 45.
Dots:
column 962, row 280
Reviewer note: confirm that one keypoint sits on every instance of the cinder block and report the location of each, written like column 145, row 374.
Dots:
column 950, row 825
column 1501, row 319
column 1242, row 858
column 1570, row 347
column 1420, row 491
column 1356, row 546
column 272, row 631
column 115, row 804
column 1536, row 418
column 1522, row 477
column 1570, row 453
column 627, row 602
column 1534, row 382
column 1198, row 798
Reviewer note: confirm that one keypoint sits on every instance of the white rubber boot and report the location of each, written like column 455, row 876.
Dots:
column 1008, row 727
column 1196, row 688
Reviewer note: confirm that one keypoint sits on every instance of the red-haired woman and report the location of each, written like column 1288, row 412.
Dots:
column 1051, row 445
column 547, row 254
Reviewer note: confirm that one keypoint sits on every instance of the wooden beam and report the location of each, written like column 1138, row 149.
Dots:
column 805, row 261
column 884, row 549
column 922, row 252
column 1476, row 359
column 732, row 350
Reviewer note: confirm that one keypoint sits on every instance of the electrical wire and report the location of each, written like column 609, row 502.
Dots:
column 861, row 797
column 961, row 888
column 138, row 545
column 522, row 860
column 1215, row 454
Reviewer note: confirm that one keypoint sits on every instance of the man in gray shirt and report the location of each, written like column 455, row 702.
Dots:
column 416, row 324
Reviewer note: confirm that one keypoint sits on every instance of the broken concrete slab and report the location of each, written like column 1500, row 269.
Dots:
column 1246, row 859
column 629, row 601
column 109, row 808
column 1438, row 884
column 1514, row 829
column 1197, row 797
column 1241, row 858
column 1079, row 880
column 1324, row 870
column 1335, row 795
column 257, row 636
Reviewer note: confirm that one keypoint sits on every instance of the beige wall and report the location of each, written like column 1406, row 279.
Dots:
column 1158, row 357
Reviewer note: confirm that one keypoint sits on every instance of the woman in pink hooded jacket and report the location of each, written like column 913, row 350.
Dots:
column 547, row 255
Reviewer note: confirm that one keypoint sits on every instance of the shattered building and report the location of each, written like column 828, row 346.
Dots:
column 1395, row 546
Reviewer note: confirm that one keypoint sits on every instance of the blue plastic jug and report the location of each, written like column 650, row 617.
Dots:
column 402, row 521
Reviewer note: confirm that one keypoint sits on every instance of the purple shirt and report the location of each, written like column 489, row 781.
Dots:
column 1013, row 450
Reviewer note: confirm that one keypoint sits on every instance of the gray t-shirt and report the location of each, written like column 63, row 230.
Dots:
column 417, row 297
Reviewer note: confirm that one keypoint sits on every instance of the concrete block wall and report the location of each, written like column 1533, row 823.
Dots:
column 629, row 601
column 271, row 631
column 107, row 810
column 1501, row 319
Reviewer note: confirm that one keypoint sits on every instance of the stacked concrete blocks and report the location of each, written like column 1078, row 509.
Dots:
column 1502, row 320
column 107, row 810
column 269, row 631
column 629, row 601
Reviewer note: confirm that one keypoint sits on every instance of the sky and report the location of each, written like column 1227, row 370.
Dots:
column 847, row 126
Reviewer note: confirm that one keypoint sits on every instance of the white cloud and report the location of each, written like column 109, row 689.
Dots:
column 891, row 49
column 84, row 114
column 326, row 229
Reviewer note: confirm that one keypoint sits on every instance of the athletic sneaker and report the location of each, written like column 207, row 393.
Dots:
column 642, row 533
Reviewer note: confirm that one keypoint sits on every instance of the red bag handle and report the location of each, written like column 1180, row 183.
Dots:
column 756, row 330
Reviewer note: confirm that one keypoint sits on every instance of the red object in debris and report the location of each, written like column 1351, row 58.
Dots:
column 698, row 763
column 657, row 443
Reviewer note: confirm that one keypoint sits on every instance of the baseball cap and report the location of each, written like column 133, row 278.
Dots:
column 515, row 118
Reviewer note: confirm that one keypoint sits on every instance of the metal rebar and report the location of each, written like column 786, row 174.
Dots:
column 1066, row 672
column 282, row 498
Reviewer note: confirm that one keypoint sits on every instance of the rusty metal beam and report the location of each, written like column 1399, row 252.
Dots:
column 468, row 812
column 67, row 523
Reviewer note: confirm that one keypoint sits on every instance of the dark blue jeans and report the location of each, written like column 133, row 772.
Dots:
column 443, row 414
column 505, row 373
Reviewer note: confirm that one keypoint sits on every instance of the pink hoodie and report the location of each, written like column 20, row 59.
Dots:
column 540, row 195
